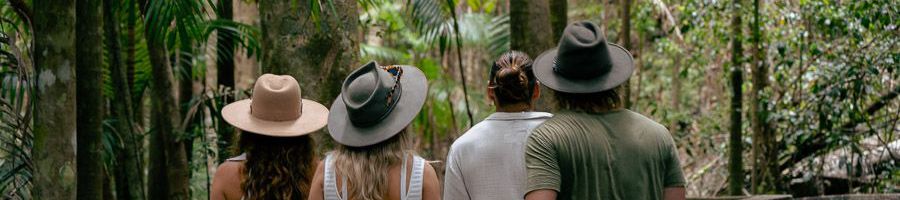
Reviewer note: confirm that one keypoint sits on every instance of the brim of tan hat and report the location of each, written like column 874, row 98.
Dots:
column 623, row 67
column 414, row 88
column 313, row 117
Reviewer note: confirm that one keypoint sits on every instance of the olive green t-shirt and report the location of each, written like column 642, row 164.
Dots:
column 613, row 155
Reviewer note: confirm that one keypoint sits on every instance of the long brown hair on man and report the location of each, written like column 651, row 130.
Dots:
column 281, row 167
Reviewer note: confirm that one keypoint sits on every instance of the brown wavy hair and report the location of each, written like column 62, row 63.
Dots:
column 512, row 79
column 277, row 167
column 596, row 102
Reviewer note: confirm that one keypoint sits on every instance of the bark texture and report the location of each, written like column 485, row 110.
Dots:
column 736, row 145
column 128, row 172
column 89, row 84
column 529, row 21
column 169, row 172
column 558, row 17
column 766, row 176
column 54, row 109
column 318, row 57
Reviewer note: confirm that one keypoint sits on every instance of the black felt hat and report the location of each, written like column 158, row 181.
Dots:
column 583, row 62
column 376, row 103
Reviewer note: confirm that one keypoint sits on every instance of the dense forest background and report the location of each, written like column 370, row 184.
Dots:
column 791, row 97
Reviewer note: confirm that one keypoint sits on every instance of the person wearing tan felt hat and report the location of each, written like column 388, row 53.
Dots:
column 373, row 158
column 594, row 148
column 278, row 156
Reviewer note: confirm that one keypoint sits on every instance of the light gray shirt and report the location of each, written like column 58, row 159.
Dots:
column 488, row 161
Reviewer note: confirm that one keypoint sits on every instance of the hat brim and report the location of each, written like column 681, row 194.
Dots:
column 414, row 88
column 623, row 67
column 313, row 117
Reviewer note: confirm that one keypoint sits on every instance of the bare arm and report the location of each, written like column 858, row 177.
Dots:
column 541, row 195
column 431, row 188
column 316, row 190
column 674, row 193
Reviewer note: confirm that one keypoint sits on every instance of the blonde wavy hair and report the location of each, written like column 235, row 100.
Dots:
column 368, row 167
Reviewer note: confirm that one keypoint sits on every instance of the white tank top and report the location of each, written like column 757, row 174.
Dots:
column 415, row 181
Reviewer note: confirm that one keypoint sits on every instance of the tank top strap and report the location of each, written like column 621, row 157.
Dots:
column 242, row 157
column 414, row 192
column 330, row 183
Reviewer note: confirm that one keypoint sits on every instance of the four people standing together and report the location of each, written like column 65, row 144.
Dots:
column 592, row 148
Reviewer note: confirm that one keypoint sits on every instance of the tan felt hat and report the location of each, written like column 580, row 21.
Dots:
column 276, row 109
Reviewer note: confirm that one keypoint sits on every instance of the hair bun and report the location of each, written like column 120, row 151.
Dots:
column 513, row 81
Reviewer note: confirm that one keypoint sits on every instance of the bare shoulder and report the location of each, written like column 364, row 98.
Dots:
column 431, row 187
column 226, row 182
column 228, row 170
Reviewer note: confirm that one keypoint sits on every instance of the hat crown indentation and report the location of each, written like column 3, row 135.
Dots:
column 276, row 98
column 365, row 94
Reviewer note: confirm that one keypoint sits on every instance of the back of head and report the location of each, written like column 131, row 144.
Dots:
column 589, row 102
column 367, row 167
column 512, row 79
column 277, row 167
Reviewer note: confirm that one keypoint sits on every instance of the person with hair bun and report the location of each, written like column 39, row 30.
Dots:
column 487, row 162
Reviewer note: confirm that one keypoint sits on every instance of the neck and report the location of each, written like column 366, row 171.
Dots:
column 518, row 107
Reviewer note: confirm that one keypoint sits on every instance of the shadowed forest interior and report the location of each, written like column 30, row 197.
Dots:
column 791, row 97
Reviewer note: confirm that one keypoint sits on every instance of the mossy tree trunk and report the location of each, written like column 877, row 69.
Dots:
column 89, row 84
column 559, row 11
column 54, row 110
column 318, row 57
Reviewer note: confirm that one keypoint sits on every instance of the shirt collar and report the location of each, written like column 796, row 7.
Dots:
column 518, row 115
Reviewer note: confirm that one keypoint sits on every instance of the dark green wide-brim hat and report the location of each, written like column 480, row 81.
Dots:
column 376, row 103
column 583, row 62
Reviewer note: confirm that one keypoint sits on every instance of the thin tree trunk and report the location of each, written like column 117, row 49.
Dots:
column 735, row 147
column 558, row 17
column 54, row 109
column 129, row 171
column 89, row 86
column 626, row 41
column 528, row 22
column 765, row 167
column 225, row 62
column 131, row 60
column 169, row 172
column 318, row 57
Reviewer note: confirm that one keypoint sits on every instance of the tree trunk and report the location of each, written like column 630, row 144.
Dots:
column 765, row 155
column 225, row 62
column 169, row 172
column 318, row 57
column 559, row 11
column 626, row 42
column 735, row 147
column 129, row 172
column 89, row 86
column 131, row 60
column 54, row 109
column 528, row 22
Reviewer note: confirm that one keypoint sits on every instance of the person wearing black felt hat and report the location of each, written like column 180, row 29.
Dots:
column 594, row 148
column 373, row 157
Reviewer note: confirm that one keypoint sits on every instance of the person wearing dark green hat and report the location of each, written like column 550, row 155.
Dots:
column 373, row 157
column 594, row 148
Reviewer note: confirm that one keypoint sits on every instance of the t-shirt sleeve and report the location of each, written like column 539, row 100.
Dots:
column 541, row 163
column 674, row 177
column 454, row 186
